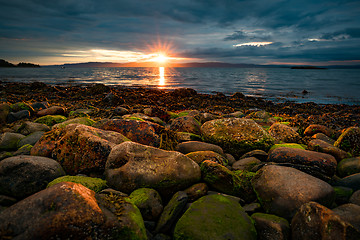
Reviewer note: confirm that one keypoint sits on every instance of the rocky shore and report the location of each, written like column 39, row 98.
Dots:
column 100, row 162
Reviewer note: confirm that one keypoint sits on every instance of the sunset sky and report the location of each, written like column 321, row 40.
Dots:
column 318, row 32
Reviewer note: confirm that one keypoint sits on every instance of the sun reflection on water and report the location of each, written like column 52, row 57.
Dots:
column 161, row 76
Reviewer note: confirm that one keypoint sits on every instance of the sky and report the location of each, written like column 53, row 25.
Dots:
column 315, row 32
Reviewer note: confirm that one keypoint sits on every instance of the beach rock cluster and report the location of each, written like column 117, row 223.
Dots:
column 149, row 173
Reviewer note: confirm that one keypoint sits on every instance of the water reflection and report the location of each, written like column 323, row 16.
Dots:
column 256, row 81
column 162, row 76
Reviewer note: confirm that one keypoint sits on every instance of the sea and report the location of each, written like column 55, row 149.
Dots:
column 329, row 86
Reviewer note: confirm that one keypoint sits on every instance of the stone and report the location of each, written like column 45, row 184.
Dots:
column 288, row 145
column 30, row 127
column 185, row 124
column 317, row 162
column 342, row 195
column 132, row 165
column 283, row 133
column 314, row 221
column 138, row 131
column 20, row 106
column 230, row 158
column 259, row 154
column 350, row 213
column 201, row 156
column 80, row 113
column 31, row 139
column 54, row 110
column 323, row 137
column 94, row 184
column 159, row 112
column 352, row 181
column 4, row 112
column 348, row 166
column 252, row 208
column 9, row 141
column 349, row 141
column 236, row 135
column 194, row 146
column 232, row 183
column 21, row 176
column 185, row 137
column 271, row 227
column 196, row 191
column 98, row 88
column 172, row 212
column 282, row 190
column 39, row 106
column 120, row 111
column 148, row 201
column 324, row 147
column 51, row 120
column 7, row 201
column 13, row 117
column 82, row 120
column 66, row 210
column 355, row 198
column 215, row 217
column 317, row 128
column 246, row 163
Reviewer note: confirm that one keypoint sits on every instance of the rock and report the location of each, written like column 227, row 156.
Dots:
column 22, row 176
column 252, row 208
column 172, row 212
column 131, row 165
column 9, row 141
column 282, row 190
column 31, row 139
column 317, row 162
column 201, row 156
column 66, row 210
column 94, row 184
column 4, row 155
column 159, row 112
column 238, row 114
column 259, row 154
column 196, row 191
column 39, row 106
column 321, row 146
column 194, row 146
column 13, row 117
column 208, row 117
column 82, row 120
column 113, row 99
column 141, row 132
column 323, row 137
column 185, row 124
column 99, row 88
column 352, row 181
column 355, row 198
column 20, row 106
column 238, row 95
column 120, row 111
column 342, row 195
column 4, row 112
column 230, row 158
column 148, row 201
column 261, row 115
column 54, row 110
column 51, row 120
column 7, row 201
column 316, row 128
column 185, row 137
column 350, row 213
column 271, row 227
column 83, row 149
column 236, row 135
column 222, row 179
column 314, row 221
column 215, row 217
column 283, row 133
column 23, row 150
column 246, row 164
column 80, row 113
column 348, row 166
column 184, row 92
column 30, row 127
column 349, row 141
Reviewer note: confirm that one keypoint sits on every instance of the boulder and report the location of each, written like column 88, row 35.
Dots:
column 51, row 120
column 21, row 176
column 9, row 141
column 232, row 183
column 317, row 128
column 342, row 195
column 283, row 133
column 215, row 217
column 355, row 198
column 352, row 181
column 324, row 147
column 31, row 139
column 271, row 227
column 4, row 112
column 287, row 145
column 282, row 190
column 246, row 163
column 37, row 106
column 20, row 106
column 54, row 110
column 131, row 165
column 196, row 191
column 236, row 135
column 94, row 184
column 148, row 201
column 348, row 166
column 314, row 221
column 81, row 120
column 30, row 127
column 349, row 141
column 13, row 117
column 67, row 210
column 185, row 124
column 314, row 161
column 194, row 146
column 259, row 154
column 201, row 156
column 350, row 213
column 323, row 137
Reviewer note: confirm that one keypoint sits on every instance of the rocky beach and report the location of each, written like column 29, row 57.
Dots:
column 100, row 162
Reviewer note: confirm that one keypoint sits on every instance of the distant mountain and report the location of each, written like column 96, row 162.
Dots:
column 4, row 63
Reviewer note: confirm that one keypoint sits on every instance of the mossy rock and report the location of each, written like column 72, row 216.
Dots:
column 78, row 114
column 342, row 194
column 148, row 201
column 215, row 217
column 82, row 120
column 186, row 136
column 348, row 166
column 349, row 141
column 95, row 184
column 289, row 145
column 51, row 120
column 16, row 107
column 200, row 156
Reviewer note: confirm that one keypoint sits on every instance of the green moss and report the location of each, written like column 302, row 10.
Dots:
column 272, row 218
column 285, row 123
column 279, row 119
column 26, row 147
column 289, row 145
column 134, row 118
column 51, row 120
column 84, row 120
column 180, row 114
column 140, row 195
column 76, row 114
column 341, row 192
column 95, row 184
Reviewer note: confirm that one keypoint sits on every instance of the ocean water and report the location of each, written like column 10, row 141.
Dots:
column 336, row 86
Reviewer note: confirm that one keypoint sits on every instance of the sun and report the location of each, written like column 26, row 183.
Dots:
column 160, row 58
